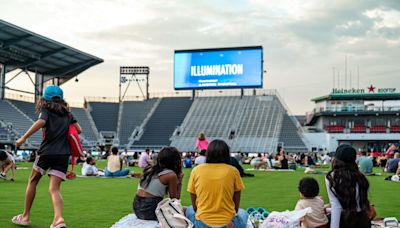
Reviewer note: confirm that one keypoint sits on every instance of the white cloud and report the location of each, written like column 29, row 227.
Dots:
column 302, row 40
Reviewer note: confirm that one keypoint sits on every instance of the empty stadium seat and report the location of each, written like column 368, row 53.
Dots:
column 133, row 115
column 162, row 124
column 20, row 122
column 290, row 136
column 105, row 115
column 378, row 129
column 334, row 129
column 395, row 129
column 358, row 128
column 27, row 107
column 83, row 119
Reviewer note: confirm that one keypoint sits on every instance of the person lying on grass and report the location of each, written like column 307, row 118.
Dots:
column 215, row 189
column 6, row 163
column 158, row 179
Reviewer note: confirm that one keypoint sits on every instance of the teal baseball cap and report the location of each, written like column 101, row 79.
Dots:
column 53, row 91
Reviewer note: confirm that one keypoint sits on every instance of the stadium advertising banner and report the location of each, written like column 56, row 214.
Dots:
column 218, row 68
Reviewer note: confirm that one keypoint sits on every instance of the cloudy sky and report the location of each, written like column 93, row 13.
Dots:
column 302, row 40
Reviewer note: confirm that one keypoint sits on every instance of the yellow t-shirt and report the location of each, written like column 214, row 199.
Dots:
column 214, row 186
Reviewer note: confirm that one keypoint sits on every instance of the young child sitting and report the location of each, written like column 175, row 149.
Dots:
column 309, row 189
column 6, row 163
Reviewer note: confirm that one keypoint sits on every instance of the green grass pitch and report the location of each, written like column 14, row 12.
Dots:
column 102, row 202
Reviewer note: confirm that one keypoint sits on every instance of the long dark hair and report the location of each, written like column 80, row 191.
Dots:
column 168, row 158
column 343, row 181
column 56, row 105
column 218, row 152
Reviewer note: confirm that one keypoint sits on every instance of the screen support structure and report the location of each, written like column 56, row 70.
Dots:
column 37, row 82
column 133, row 71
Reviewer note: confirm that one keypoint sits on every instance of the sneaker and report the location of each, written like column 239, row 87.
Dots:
column 2, row 176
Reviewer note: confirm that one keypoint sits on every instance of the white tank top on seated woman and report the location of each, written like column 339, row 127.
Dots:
column 114, row 163
column 155, row 187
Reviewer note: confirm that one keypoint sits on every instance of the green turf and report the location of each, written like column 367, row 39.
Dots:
column 102, row 202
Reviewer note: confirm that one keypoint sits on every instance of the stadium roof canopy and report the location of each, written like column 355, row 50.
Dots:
column 28, row 51
column 361, row 96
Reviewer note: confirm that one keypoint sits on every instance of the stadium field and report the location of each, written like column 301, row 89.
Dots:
column 102, row 202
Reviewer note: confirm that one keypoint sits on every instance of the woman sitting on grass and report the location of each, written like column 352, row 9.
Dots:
column 347, row 189
column 158, row 179
column 215, row 191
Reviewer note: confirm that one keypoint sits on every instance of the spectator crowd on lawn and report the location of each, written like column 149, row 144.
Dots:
column 215, row 182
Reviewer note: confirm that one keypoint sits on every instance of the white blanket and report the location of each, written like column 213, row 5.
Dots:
column 132, row 221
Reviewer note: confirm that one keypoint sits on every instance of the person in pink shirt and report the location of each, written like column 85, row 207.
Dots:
column 202, row 142
column 144, row 159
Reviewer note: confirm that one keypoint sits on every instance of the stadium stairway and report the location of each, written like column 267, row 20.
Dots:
column 83, row 119
column 253, row 120
column 26, row 107
column 80, row 114
column 132, row 116
column 290, row 136
column 9, row 113
column 164, row 121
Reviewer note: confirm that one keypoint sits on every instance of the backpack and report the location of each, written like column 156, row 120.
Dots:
column 170, row 214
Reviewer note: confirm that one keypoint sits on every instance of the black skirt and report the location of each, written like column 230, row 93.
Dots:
column 145, row 207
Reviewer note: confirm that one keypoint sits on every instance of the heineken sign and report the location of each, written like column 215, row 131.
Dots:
column 370, row 89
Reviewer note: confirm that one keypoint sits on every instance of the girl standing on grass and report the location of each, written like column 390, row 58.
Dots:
column 53, row 154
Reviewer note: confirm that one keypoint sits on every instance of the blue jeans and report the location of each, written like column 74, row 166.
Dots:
column 239, row 221
column 119, row 173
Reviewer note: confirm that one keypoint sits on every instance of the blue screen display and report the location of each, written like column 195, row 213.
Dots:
column 214, row 69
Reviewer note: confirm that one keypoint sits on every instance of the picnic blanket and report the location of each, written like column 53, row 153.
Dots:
column 271, row 170
column 127, row 176
column 132, row 221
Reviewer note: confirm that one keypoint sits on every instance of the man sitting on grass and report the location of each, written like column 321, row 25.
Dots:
column 89, row 168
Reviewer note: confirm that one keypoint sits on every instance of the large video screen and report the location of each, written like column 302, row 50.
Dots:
column 218, row 68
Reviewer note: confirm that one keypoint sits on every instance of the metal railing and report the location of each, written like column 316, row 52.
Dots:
column 357, row 109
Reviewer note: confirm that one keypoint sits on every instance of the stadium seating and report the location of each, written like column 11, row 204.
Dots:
column 87, row 130
column 105, row 115
column 259, row 125
column 358, row 128
column 27, row 107
column 20, row 122
column 334, row 129
column 165, row 119
column 290, row 137
column 254, row 120
column 378, row 129
column 133, row 115
column 395, row 129
column 4, row 136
